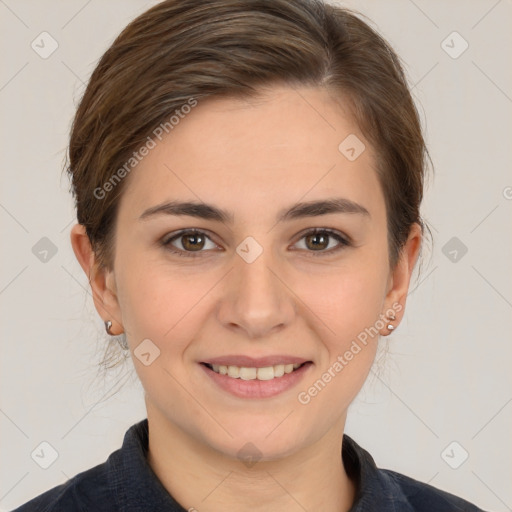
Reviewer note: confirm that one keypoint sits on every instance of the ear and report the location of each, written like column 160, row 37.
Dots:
column 102, row 281
column 400, row 277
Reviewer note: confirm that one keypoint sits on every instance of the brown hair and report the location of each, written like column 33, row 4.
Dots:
column 183, row 49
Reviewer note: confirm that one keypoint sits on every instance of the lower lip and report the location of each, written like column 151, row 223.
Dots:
column 257, row 388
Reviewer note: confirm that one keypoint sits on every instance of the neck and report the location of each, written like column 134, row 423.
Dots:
column 203, row 479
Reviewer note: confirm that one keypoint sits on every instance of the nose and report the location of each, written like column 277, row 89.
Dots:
column 256, row 298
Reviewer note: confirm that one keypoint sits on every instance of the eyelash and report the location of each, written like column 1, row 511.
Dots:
column 189, row 254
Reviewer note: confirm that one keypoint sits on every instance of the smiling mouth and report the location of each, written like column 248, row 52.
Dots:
column 251, row 373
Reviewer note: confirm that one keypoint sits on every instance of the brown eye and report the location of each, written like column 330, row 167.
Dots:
column 318, row 241
column 190, row 241
column 193, row 242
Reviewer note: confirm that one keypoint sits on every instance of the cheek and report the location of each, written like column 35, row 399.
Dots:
column 347, row 299
column 154, row 296
column 168, row 307
column 347, row 308
column 161, row 306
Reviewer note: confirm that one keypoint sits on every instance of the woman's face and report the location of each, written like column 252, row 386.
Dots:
column 258, row 283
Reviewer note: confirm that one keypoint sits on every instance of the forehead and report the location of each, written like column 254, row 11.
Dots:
column 281, row 147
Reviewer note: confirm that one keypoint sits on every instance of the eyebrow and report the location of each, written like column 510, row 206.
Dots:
column 297, row 211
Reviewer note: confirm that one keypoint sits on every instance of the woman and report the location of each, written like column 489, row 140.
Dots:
column 248, row 178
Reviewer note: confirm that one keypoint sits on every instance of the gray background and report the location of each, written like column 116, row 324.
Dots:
column 446, row 376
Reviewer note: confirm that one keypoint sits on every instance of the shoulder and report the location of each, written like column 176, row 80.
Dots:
column 86, row 491
column 423, row 497
column 384, row 490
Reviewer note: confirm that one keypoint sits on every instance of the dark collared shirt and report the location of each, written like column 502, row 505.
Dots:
column 126, row 483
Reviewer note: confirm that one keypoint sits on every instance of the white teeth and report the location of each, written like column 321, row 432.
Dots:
column 245, row 373
column 234, row 371
column 278, row 370
column 266, row 373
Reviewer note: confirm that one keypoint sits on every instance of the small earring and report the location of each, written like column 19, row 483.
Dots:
column 391, row 316
column 121, row 339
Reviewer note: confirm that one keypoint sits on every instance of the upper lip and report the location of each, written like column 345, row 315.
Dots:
column 255, row 362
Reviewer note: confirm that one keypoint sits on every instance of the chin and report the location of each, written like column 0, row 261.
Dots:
column 260, row 440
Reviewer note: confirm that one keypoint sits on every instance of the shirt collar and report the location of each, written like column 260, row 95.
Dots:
column 134, row 483
column 136, row 487
column 376, row 491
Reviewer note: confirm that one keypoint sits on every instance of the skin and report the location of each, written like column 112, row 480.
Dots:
column 252, row 158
